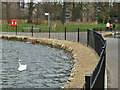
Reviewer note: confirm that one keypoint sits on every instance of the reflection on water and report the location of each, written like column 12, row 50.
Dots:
column 46, row 67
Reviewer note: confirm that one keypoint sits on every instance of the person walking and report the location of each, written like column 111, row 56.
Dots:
column 107, row 26
column 114, row 26
column 110, row 27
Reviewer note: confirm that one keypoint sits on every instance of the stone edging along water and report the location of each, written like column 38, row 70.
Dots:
column 106, row 34
column 84, row 58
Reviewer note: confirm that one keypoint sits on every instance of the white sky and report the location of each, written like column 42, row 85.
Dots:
column 61, row 0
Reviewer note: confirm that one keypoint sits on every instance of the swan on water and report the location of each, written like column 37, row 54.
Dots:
column 22, row 67
column 113, row 34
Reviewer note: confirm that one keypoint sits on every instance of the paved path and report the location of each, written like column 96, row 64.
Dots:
column 112, row 60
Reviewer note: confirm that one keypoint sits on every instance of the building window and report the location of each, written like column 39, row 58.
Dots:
column 85, row 3
column 84, row 19
column 90, row 14
column 84, row 8
column 67, row 15
column 67, row 10
column 89, row 19
column 90, row 2
column 84, row 14
column 90, row 7
column 78, row 20
column 67, row 5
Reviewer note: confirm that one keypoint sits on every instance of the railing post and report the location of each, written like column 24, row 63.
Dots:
column 93, row 29
column 39, row 30
column 100, row 29
column 65, row 33
column 49, row 31
column 16, row 29
column 88, row 36
column 114, row 33
column 22, row 30
column 32, row 31
column 87, row 80
column 78, row 35
column 104, row 64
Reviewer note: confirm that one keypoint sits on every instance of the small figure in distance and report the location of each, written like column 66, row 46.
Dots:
column 114, row 26
column 107, row 26
column 110, row 27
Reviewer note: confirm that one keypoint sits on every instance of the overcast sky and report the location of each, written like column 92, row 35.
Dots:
column 61, row 0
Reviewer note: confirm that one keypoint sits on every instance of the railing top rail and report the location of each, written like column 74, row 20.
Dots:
column 98, row 72
column 93, row 35
column 31, row 28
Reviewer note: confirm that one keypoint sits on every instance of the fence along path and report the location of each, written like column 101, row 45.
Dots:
column 97, row 78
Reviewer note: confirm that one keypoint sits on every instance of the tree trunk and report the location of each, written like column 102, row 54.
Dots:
column 73, row 12
column 30, row 12
column 7, row 12
column 119, row 13
column 63, row 13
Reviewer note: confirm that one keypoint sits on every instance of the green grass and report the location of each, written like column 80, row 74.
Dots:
column 59, row 27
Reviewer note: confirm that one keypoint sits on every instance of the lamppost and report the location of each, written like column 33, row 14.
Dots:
column 48, row 14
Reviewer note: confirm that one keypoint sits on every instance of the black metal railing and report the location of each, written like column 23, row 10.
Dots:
column 97, row 78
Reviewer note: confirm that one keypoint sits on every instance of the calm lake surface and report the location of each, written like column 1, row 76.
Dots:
column 46, row 67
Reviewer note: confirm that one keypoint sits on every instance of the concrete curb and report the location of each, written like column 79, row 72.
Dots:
column 105, row 79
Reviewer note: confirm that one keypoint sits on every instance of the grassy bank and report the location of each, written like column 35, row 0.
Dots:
column 59, row 27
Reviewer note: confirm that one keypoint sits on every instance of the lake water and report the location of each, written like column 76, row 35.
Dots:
column 46, row 67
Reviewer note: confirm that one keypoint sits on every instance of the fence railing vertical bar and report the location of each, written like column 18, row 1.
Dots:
column 87, row 81
column 78, row 34
column 49, row 32
column 65, row 33
column 88, row 37
column 16, row 29
column 39, row 29
column 32, row 31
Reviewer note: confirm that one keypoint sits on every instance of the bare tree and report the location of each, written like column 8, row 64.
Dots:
column 114, row 11
column 38, row 13
column 105, row 9
column 11, row 10
column 77, row 10
column 119, row 13
column 31, row 7
column 63, row 13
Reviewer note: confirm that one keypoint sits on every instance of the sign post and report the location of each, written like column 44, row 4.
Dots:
column 48, row 14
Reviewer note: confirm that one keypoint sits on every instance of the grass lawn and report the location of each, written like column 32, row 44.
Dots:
column 59, row 27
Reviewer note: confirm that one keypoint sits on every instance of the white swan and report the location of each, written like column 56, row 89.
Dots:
column 22, row 67
column 113, row 34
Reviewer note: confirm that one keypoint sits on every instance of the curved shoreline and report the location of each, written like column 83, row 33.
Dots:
column 84, row 58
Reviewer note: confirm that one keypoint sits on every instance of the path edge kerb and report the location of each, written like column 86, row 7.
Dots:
column 62, row 44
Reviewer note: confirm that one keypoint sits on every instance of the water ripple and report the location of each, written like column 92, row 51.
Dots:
column 47, row 67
